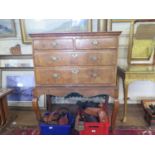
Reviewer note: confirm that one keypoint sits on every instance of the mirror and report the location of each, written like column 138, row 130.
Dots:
column 142, row 42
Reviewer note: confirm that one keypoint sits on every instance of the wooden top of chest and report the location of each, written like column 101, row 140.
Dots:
column 38, row 35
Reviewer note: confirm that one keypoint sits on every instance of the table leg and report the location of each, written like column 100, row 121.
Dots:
column 125, row 101
column 5, row 107
column 114, row 114
column 49, row 102
column 1, row 119
column 2, row 115
column 36, row 108
column 4, row 110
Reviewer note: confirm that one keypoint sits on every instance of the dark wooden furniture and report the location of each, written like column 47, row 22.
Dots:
column 85, row 63
column 4, row 112
column 149, row 113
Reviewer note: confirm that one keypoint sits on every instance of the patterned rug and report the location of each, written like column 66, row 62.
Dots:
column 20, row 130
column 134, row 132
column 33, row 130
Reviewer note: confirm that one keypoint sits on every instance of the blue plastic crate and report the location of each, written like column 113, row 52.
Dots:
column 49, row 129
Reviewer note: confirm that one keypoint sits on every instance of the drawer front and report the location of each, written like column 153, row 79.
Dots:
column 53, row 76
column 96, row 43
column 53, row 44
column 49, row 59
column 77, row 75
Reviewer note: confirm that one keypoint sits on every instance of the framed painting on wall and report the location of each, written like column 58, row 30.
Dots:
column 123, row 25
column 16, row 63
column 22, row 83
column 7, row 28
column 142, row 49
column 30, row 26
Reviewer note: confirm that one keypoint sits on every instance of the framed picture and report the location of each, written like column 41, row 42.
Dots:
column 29, row 26
column 123, row 25
column 7, row 28
column 22, row 83
column 16, row 63
column 142, row 50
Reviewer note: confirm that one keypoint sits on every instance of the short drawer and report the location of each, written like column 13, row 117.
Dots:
column 49, row 59
column 96, row 43
column 53, row 44
column 76, row 75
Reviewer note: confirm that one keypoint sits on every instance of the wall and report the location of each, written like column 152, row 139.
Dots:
column 6, row 43
column 136, row 89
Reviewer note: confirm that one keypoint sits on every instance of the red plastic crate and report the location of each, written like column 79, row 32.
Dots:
column 95, row 128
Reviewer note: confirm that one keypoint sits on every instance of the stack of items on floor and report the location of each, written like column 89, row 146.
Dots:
column 91, row 118
column 149, row 109
column 59, row 122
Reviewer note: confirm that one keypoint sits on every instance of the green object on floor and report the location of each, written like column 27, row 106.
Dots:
column 79, row 126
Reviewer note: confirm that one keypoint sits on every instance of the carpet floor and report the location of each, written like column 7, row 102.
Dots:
column 34, row 130
column 24, row 123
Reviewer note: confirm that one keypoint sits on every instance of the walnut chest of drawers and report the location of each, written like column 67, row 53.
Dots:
column 75, row 62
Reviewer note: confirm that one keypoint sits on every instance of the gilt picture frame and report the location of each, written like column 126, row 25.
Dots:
column 30, row 26
column 142, row 32
column 7, row 28
column 125, row 26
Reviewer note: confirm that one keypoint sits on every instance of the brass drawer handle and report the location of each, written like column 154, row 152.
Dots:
column 54, row 44
column 56, row 76
column 75, row 71
column 74, row 55
column 94, row 75
column 54, row 58
column 95, row 42
column 93, row 58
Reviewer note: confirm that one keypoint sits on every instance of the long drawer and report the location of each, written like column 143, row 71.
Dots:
column 76, row 75
column 48, row 59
